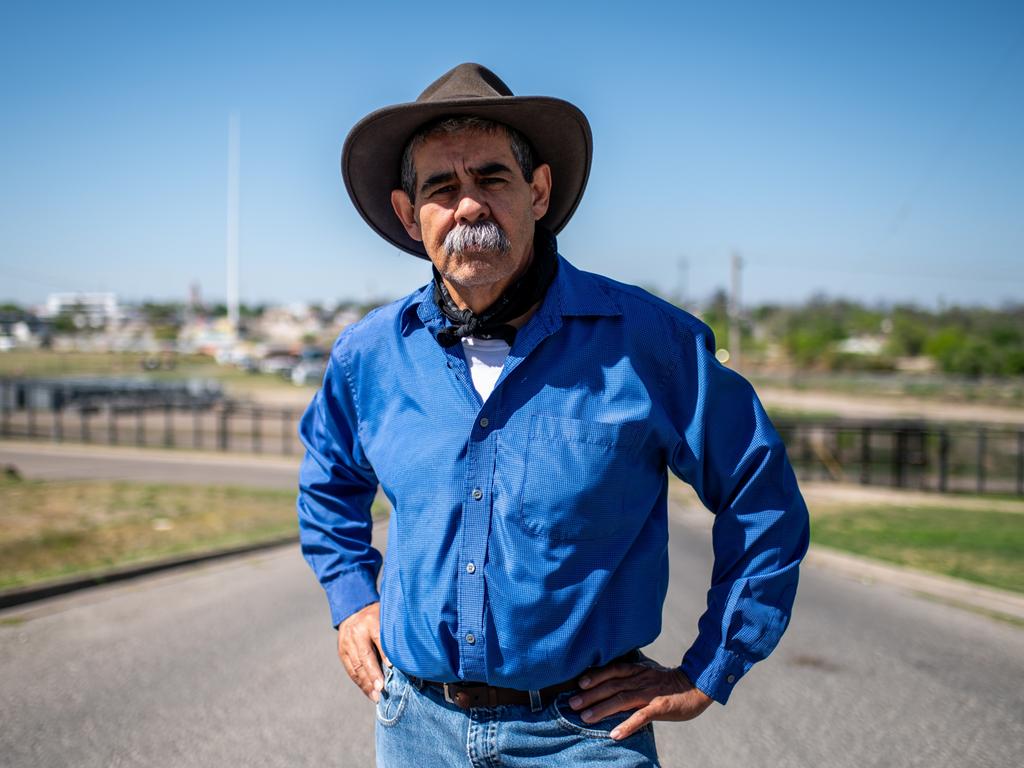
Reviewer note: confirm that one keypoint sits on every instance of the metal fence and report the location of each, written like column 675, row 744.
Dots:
column 908, row 454
column 224, row 426
column 147, row 419
column 985, row 459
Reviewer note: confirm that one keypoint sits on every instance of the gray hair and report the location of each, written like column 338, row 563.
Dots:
column 521, row 149
column 480, row 236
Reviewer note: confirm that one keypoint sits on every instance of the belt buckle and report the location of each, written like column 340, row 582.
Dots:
column 446, row 687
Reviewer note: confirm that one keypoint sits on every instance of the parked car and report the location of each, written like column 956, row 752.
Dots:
column 311, row 366
column 280, row 363
column 309, row 372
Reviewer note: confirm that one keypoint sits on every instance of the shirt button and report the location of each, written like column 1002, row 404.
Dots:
column 471, row 638
column 470, row 568
column 731, row 679
column 485, row 422
column 478, row 494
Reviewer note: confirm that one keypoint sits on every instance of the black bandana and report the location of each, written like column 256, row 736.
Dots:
column 514, row 302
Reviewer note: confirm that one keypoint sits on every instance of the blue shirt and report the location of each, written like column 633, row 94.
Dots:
column 528, row 536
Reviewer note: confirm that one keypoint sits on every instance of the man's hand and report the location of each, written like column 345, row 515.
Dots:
column 654, row 691
column 360, row 651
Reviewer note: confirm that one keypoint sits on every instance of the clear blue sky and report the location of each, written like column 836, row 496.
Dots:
column 867, row 150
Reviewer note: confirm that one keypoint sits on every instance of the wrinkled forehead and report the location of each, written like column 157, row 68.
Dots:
column 465, row 149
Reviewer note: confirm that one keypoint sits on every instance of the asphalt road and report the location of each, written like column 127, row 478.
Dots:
column 233, row 664
column 49, row 461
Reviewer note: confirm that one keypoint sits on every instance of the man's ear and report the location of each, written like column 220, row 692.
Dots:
column 541, row 187
column 406, row 213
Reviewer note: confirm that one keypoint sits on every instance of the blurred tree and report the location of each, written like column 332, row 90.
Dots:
column 909, row 332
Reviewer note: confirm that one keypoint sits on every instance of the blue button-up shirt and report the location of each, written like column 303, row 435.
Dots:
column 528, row 535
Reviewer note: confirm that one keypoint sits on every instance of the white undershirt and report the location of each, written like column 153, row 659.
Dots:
column 486, row 357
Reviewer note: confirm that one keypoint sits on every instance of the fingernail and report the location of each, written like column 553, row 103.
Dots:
column 588, row 715
column 616, row 733
column 378, row 685
column 376, row 697
column 584, row 682
column 575, row 702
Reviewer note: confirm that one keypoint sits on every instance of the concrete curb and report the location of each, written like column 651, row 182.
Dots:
column 943, row 588
column 955, row 592
column 22, row 595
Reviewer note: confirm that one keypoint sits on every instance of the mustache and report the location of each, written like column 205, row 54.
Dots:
column 485, row 236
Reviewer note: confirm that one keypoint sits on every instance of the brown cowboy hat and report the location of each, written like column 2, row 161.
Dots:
column 371, row 158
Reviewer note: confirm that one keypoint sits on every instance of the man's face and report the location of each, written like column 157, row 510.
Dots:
column 470, row 190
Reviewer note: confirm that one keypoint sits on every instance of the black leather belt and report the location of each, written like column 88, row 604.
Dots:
column 467, row 695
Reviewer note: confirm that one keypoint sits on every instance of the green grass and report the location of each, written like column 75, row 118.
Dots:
column 50, row 530
column 1008, row 391
column 42, row 363
column 982, row 546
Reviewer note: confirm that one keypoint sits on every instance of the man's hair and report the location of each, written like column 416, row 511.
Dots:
column 521, row 149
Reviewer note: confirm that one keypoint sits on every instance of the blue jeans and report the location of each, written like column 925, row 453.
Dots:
column 417, row 727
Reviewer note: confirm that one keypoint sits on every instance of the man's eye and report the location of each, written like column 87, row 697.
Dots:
column 492, row 181
column 447, row 189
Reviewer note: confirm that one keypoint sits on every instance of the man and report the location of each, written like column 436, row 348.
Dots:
column 521, row 417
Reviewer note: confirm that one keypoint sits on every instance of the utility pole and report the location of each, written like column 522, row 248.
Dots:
column 735, row 344
column 682, row 281
column 232, row 239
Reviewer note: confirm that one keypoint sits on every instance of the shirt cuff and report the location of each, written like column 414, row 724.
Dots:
column 351, row 591
column 716, row 676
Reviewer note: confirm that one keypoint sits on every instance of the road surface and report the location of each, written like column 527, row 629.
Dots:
column 49, row 461
column 233, row 663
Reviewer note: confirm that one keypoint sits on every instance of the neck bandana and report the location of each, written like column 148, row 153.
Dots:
column 515, row 301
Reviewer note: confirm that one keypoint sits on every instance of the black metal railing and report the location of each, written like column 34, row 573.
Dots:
column 146, row 418
column 934, row 456
column 943, row 457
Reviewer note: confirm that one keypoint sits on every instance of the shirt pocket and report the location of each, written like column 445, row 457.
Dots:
column 576, row 477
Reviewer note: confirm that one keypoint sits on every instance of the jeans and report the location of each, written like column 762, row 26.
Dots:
column 417, row 727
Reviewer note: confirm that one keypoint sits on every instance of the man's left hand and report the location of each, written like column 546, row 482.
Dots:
column 654, row 691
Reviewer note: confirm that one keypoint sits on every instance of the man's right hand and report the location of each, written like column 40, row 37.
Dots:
column 360, row 651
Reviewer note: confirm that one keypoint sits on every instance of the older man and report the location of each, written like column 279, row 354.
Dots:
column 521, row 416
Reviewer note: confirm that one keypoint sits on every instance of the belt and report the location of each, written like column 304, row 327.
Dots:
column 467, row 695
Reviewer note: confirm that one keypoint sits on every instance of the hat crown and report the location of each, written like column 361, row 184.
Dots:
column 371, row 159
column 466, row 81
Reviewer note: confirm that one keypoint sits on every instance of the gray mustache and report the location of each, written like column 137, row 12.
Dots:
column 482, row 236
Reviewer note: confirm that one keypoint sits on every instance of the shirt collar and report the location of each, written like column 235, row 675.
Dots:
column 580, row 294
column 573, row 293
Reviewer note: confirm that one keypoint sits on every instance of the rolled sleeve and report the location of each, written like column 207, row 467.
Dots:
column 337, row 486
column 737, row 463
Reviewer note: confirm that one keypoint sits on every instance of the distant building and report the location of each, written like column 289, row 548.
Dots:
column 21, row 329
column 95, row 309
column 862, row 345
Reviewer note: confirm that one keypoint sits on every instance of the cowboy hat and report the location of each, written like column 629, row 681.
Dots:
column 371, row 158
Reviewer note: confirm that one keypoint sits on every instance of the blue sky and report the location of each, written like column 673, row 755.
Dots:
column 867, row 150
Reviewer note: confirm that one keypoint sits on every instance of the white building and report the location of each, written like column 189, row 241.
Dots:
column 96, row 309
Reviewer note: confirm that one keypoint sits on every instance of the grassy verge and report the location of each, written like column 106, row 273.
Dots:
column 1008, row 391
column 983, row 546
column 50, row 530
column 45, row 363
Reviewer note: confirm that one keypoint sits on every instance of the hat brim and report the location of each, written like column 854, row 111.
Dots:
column 372, row 155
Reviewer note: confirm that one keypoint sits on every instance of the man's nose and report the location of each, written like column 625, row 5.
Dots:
column 471, row 209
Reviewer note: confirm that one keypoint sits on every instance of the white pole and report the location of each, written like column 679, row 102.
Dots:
column 735, row 347
column 682, row 281
column 232, row 240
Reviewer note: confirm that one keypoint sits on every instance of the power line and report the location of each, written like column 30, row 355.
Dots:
column 963, row 277
column 930, row 172
column 44, row 280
